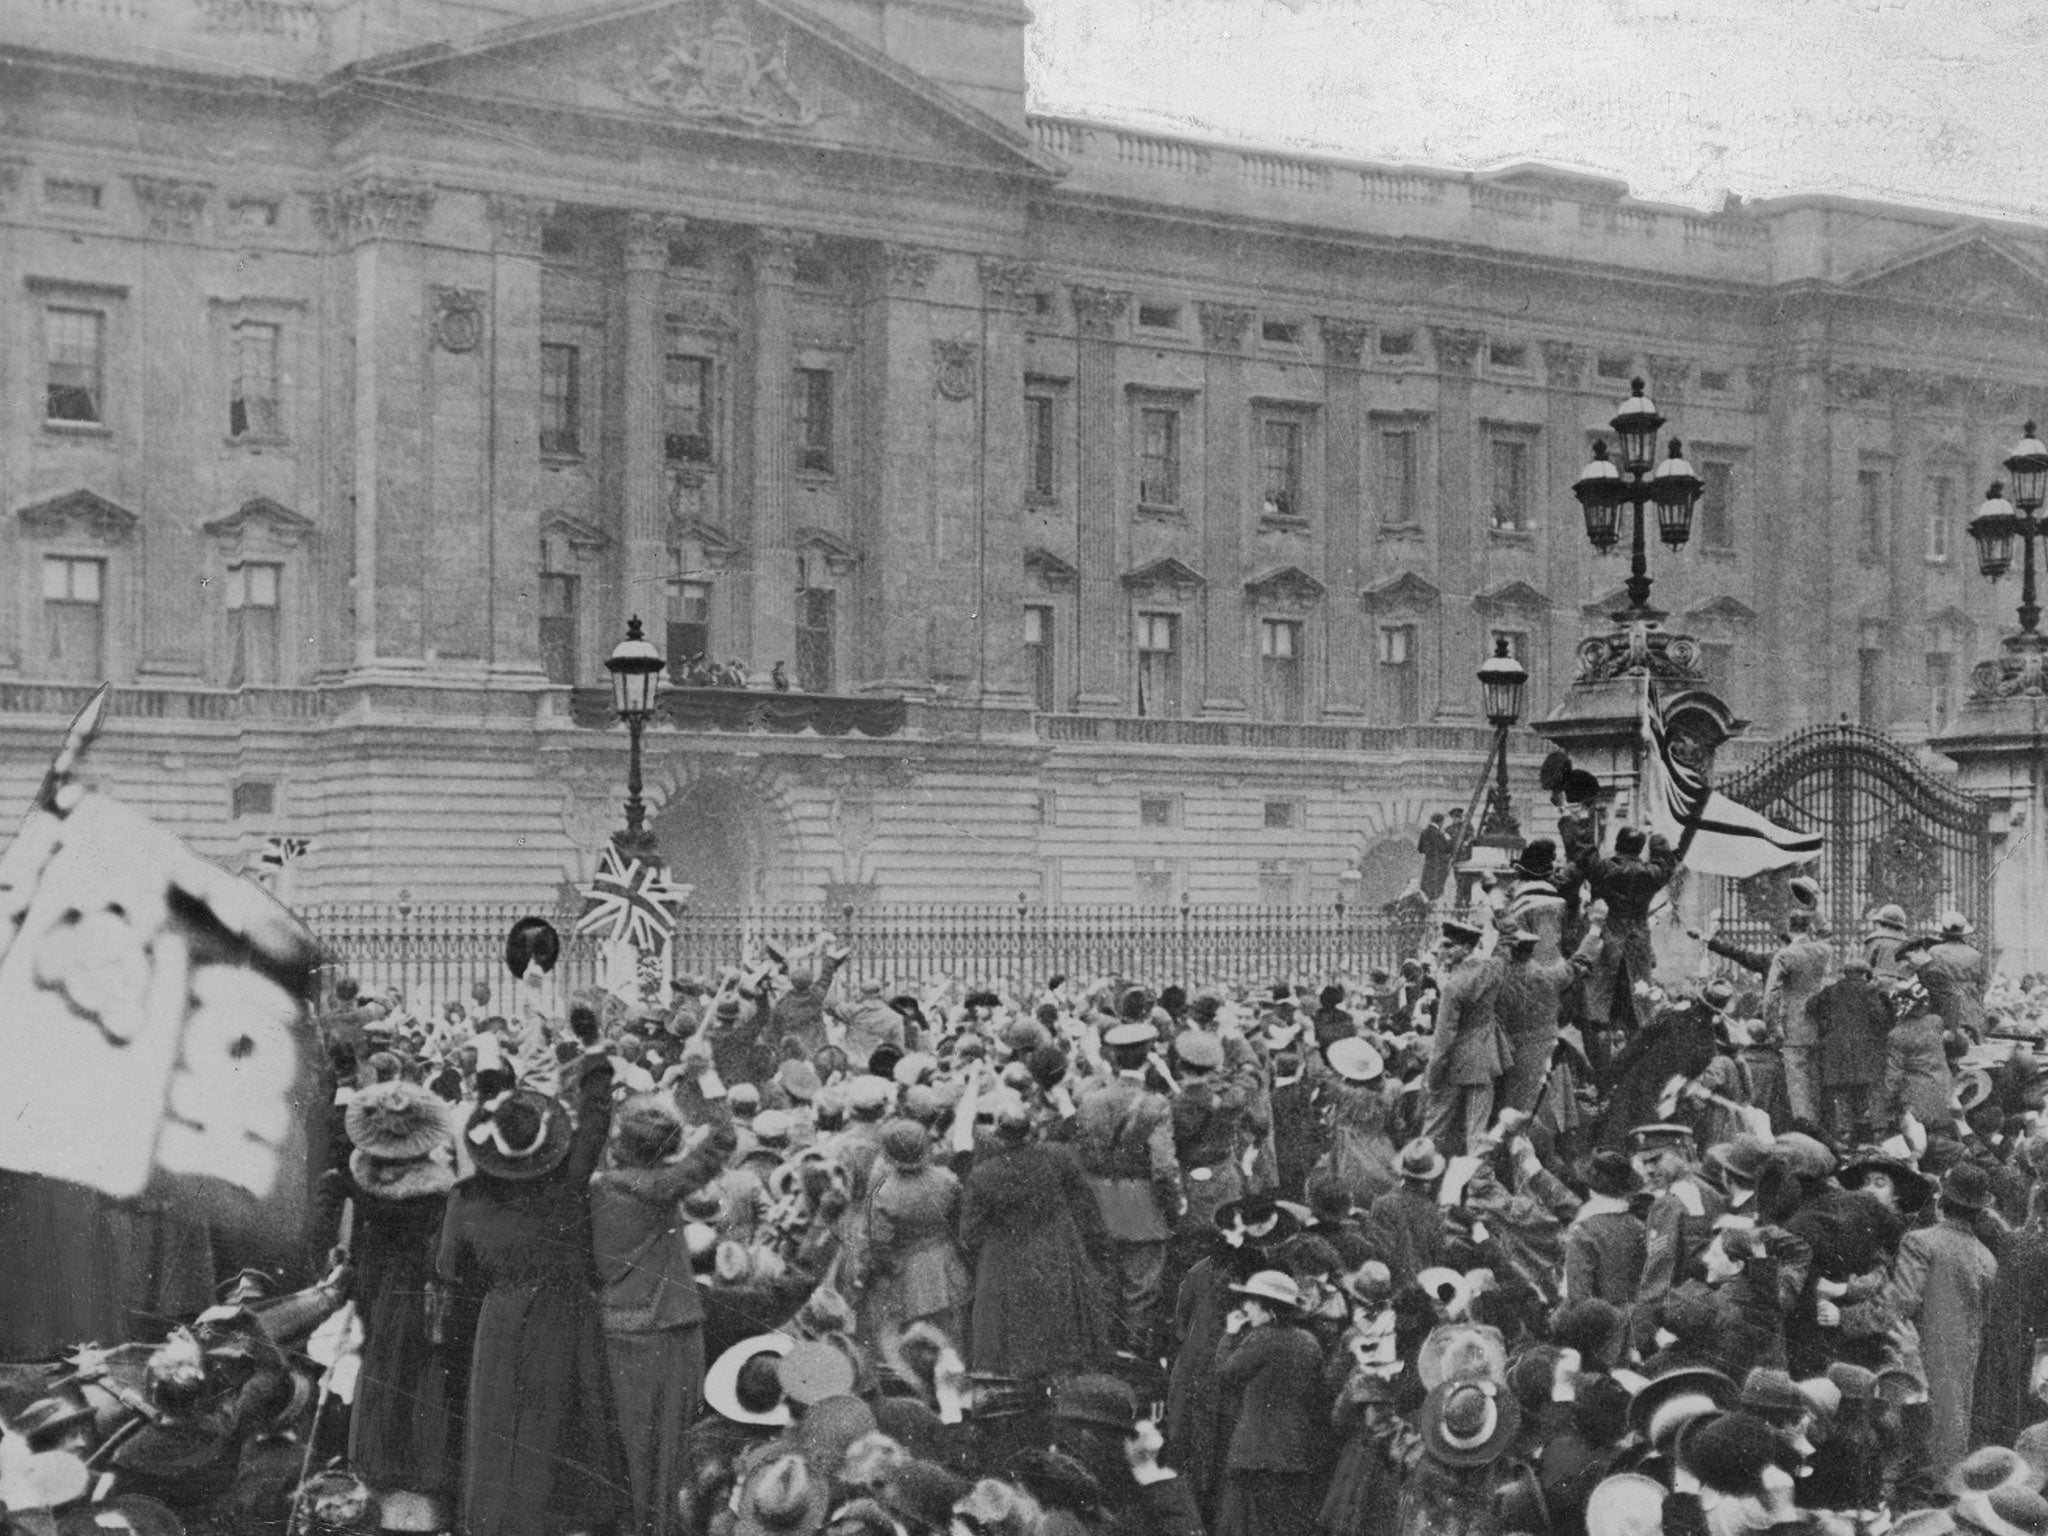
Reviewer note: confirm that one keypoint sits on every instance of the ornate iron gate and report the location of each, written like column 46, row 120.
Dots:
column 1895, row 833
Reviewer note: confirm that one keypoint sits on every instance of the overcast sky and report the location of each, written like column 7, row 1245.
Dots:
column 1940, row 102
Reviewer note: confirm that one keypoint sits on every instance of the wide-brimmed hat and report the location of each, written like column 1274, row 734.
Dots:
column 518, row 1135
column 1355, row 1060
column 1243, row 1216
column 923, row 1493
column 1966, row 1187
column 798, row 1079
column 1626, row 1504
column 1909, row 1183
column 1461, row 1352
column 1991, row 1467
column 1445, row 1286
column 1129, row 1034
column 1458, row 931
column 722, row 1381
column 1952, row 924
column 532, row 941
column 1420, row 1161
column 2013, row 1510
column 814, row 1369
column 912, row 1068
column 1275, row 1287
column 1889, row 918
column 1467, row 1423
column 783, row 1497
column 1676, row 1398
column 1803, row 1154
column 135, row 1514
column 1973, row 1088
column 396, row 1122
column 1743, row 1156
column 1659, row 1133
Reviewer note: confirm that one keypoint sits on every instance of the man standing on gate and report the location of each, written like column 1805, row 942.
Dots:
column 1123, row 1136
column 1468, row 1052
column 1954, row 974
column 1628, row 880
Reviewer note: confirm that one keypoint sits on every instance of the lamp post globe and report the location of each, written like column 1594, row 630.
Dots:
column 636, row 668
column 1501, row 681
column 1992, row 529
column 1636, row 426
column 2027, row 467
column 1601, row 494
column 1677, row 490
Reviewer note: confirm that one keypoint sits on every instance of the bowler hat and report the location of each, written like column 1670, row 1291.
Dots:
column 1771, row 1391
column 1730, row 1452
column 1609, row 1173
column 1420, row 1161
column 1965, row 1187
column 1537, row 861
column 1742, row 1156
column 905, row 1143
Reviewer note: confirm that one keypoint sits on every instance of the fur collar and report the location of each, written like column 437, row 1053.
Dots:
column 413, row 1180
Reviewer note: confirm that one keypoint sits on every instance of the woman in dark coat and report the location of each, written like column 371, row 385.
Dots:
column 1270, row 1367
column 1034, row 1232
column 2015, row 1322
column 404, row 1433
column 1677, row 1042
column 541, row 1451
column 913, row 1268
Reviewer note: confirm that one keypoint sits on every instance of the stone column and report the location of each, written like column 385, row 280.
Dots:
column 381, row 219
column 1798, row 644
column 1565, row 547
column 644, row 573
column 771, row 578
column 895, row 510
column 514, row 537
column 1006, row 288
column 1098, row 599
column 1457, row 647
column 1346, row 658
column 1225, row 496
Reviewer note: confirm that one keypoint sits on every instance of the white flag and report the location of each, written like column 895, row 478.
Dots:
column 1712, row 833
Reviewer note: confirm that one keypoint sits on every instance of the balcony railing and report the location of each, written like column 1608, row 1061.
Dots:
column 1140, row 731
column 204, row 704
column 748, row 709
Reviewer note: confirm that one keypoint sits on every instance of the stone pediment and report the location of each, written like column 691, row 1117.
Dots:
column 838, row 555
column 1288, row 584
column 1410, row 589
column 1165, row 575
column 281, row 522
column 79, row 514
column 573, row 530
column 1049, row 568
column 1722, row 610
column 1969, row 268
column 758, row 68
column 1512, row 596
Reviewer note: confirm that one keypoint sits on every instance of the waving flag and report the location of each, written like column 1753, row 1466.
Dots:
column 631, row 901
column 1712, row 833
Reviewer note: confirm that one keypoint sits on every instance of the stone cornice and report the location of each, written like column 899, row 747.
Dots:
column 1457, row 349
column 373, row 208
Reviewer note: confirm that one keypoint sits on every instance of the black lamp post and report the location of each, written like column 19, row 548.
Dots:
column 1639, row 480
column 1501, row 681
column 1999, row 522
column 636, row 668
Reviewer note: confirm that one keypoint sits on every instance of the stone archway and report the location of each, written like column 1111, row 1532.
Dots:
column 713, row 836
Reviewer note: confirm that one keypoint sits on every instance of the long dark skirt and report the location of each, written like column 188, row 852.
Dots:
column 543, row 1441
column 404, row 1433
column 657, row 1381
column 1267, row 1504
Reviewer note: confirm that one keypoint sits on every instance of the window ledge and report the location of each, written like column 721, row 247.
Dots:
column 1512, row 535
column 1037, row 499
column 1284, row 524
column 1389, row 531
column 559, row 460
column 77, row 428
column 816, row 476
column 1163, row 514
column 258, row 440
column 1707, row 553
column 1941, row 562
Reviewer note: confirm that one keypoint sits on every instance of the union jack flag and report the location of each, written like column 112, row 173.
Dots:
column 631, row 901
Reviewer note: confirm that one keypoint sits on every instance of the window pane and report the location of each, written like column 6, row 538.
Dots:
column 262, row 581
column 1280, row 466
column 814, row 659
column 689, row 629
column 1398, row 479
column 252, row 393
column 237, row 588
column 1941, row 508
column 1717, row 505
column 558, row 627
column 1038, row 445
column 686, row 396
column 1510, row 484
column 1870, row 498
column 72, row 619
column 56, row 580
column 812, row 404
column 1940, row 686
column 72, row 338
column 559, row 399
column 85, row 580
column 1870, row 689
column 1159, row 458
column 1158, row 665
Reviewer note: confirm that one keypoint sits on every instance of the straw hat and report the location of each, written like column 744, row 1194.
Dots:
column 1275, row 1287
column 1469, row 1423
column 396, row 1122
column 722, row 1381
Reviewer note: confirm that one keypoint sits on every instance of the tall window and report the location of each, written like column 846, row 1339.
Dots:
column 558, row 626
column 73, row 607
column 73, row 342
column 1038, row 657
column 1717, row 504
column 1941, row 517
column 560, row 399
column 1280, row 659
column 1159, row 665
column 1870, row 512
column 1400, row 675
column 1870, row 688
column 1510, row 485
column 252, row 623
column 1941, row 689
column 1280, row 468
column 689, row 625
column 813, row 407
column 252, row 393
column 814, row 615
column 1400, row 459
column 1041, row 463
column 686, row 408
column 1159, row 457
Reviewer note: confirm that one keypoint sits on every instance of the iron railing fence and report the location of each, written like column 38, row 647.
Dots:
column 435, row 952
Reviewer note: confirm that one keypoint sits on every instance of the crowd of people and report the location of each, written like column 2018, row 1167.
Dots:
column 1510, row 1239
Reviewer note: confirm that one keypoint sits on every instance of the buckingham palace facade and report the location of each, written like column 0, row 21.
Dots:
column 1126, row 514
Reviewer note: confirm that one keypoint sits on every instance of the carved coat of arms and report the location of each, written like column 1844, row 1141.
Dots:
column 718, row 73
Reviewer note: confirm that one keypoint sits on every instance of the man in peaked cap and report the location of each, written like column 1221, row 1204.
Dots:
column 1123, row 1136
column 1680, row 1221
column 1468, row 1052
column 1954, row 973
